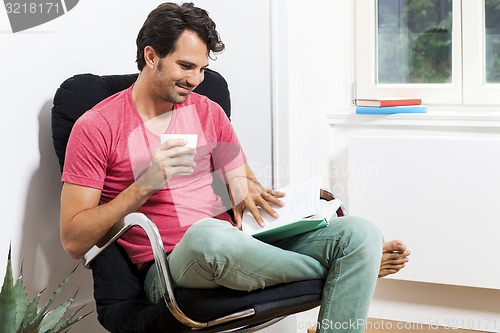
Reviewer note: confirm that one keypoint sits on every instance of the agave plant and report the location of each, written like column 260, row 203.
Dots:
column 19, row 315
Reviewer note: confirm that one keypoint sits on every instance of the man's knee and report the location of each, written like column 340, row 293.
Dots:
column 360, row 231
column 207, row 236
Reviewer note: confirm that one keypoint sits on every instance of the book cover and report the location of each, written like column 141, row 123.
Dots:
column 291, row 229
column 391, row 109
column 303, row 211
column 385, row 102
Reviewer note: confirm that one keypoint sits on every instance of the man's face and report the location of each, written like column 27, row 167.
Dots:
column 177, row 74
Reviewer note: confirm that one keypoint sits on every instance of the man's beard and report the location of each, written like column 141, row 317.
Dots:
column 175, row 98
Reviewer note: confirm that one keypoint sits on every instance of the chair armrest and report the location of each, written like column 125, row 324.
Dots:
column 113, row 234
column 131, row 220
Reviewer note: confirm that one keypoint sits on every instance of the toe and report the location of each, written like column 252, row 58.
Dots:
column 394, row 245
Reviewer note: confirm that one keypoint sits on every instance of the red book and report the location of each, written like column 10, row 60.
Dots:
column 382, row 102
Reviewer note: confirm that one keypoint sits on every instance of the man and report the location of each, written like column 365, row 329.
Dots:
column 116, row 165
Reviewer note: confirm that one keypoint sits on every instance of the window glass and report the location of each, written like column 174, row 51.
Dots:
column 492, row 40
column 414, row 41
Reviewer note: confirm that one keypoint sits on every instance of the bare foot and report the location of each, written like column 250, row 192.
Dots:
column 394, row 257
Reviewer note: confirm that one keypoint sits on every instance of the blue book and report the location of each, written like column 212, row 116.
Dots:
column 391, row 109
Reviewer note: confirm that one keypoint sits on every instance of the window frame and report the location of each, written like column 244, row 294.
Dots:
column 468, row 85
column 476, row 90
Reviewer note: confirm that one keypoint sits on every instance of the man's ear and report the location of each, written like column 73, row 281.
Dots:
column 150, row 56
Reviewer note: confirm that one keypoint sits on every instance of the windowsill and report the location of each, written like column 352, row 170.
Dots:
column 440, row 116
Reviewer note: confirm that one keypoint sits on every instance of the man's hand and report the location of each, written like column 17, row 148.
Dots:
column 250, row 194
column 169, row 159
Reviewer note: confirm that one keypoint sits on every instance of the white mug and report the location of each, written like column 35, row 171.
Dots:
column 192, row 140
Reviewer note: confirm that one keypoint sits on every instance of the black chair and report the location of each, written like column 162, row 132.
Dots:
column 122, row 306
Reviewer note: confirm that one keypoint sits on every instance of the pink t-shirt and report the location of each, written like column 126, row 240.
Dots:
column 110, row 147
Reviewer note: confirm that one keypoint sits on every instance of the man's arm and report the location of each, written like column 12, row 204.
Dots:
column 247, row 193
column 84, row 222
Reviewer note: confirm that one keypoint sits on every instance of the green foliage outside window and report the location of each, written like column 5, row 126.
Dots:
column 492, row 25
column 415, row 41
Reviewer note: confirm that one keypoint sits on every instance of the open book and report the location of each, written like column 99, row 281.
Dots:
column 303, row 211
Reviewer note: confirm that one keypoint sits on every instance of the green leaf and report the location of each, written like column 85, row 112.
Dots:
column 45, row 308
column 8, row 301
column 53, row 317
column 21, row 300
column 34, row 326
column 31, row 311
column 68, row 321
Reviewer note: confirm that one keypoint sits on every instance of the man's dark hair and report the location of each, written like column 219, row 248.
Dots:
column 167, row 22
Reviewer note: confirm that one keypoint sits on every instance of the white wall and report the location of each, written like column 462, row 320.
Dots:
column 319, row 69
column 246, row 65
column 99, row 37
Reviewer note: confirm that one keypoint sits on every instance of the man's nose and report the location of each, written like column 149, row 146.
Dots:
column 195, row 78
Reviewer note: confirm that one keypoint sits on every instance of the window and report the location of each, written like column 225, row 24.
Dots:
column 443, row 51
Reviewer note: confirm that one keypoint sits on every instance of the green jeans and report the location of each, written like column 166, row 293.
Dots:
column 347, row 253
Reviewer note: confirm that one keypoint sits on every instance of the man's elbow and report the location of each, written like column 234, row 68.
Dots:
column 72, row 248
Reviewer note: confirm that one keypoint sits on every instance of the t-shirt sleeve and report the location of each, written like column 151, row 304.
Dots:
column 228, row 153
column 87, row 152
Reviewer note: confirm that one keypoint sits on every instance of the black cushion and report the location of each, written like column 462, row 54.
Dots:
column 208, row 304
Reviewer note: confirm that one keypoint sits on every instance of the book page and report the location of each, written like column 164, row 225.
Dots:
column 301, row 200
column 329, row 208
